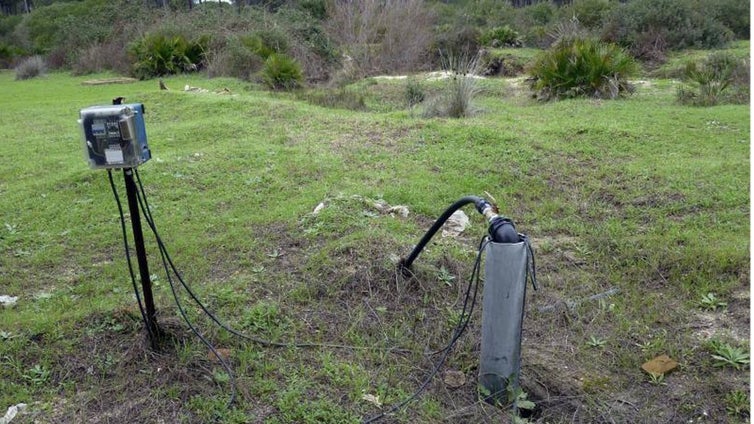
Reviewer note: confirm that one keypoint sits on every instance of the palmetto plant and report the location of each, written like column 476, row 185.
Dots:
column 160, row 54
column 576, row 67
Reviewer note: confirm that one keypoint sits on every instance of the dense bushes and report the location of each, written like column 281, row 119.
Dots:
column 650, row 27
column 381, row 36
column 582, row 67
column 343, row 40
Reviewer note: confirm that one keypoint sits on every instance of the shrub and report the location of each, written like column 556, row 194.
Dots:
column 8, row 54
column 591, row 13
column 106, row 56
column 533, row 22
column 381, row 36
column 464, row 40
column 733, row 14
column 30, row 68
column 501, row 37
column 414, row 92
column 282, row 72
column 582, row 67
column 162, row 54
column 233, row 58
column 457, row 100
column 720, row 78
column 266, row 43
column 649, row 27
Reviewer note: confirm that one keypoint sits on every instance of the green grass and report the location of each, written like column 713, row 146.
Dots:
column 641, row 194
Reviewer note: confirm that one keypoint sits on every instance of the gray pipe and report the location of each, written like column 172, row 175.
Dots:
column 502, row 318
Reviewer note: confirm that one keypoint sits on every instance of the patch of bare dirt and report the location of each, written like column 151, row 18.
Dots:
column 105, row 81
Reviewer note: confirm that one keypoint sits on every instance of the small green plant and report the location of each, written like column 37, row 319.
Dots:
column 711, row 302
column 453, row 317
column 737, row 403
column 31, row 67
column 576, row 67
column 37, row 375
column 520, row 400
column 263, row 317
column 282, row 72
column 445, row 276
column 657, row 379
column 596, row 342
column 726, row 355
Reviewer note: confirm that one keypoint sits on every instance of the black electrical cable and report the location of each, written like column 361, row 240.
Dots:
column 457, row 333
column 210, row 346
column 478, row 201
column 461, row 327
column 148, row 215
column 128, row 254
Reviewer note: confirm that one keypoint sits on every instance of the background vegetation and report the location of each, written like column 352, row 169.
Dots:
column 338, row 41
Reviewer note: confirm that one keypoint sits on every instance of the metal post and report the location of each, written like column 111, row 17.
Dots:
column 141, row 257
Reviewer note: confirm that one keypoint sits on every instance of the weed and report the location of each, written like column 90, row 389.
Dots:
column 37, row 375
column 520, row 400
column 221, row 377
column 711, row 302
column 596, row 342
column 263, row 318
column 726, row 355
column 737, row 403
column 657, row 379
column 445, row 276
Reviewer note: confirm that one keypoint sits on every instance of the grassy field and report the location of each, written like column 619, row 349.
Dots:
column 641, row 198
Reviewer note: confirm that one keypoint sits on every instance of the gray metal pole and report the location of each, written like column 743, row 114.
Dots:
column 502, row 318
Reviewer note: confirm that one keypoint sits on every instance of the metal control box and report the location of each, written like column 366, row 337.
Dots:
column 114, row 136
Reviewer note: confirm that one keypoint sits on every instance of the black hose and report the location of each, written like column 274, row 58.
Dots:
column 405, row 264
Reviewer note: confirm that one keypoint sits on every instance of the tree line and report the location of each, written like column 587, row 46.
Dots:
column 16, row 7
